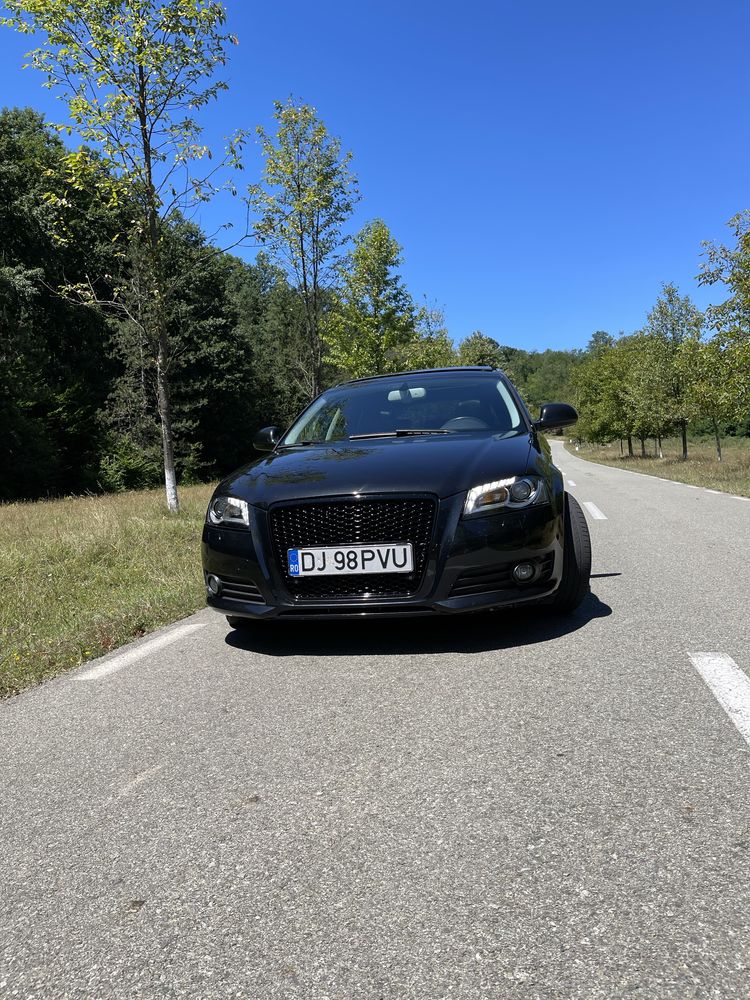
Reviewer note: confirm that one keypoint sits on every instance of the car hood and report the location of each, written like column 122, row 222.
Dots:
column 431, row 464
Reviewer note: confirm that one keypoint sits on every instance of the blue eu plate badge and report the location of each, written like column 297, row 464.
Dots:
column 293, row 556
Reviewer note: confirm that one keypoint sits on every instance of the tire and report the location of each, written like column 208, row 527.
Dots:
column 574, row 585
column 239, row 623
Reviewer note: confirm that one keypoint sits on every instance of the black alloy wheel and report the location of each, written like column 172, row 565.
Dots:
column 574, row 585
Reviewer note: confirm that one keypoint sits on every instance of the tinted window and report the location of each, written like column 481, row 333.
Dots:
column 449, row 403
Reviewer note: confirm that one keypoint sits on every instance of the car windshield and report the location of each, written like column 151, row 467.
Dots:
column 409, row 406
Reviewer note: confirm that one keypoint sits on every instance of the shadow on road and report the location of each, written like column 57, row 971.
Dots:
column 473, row 633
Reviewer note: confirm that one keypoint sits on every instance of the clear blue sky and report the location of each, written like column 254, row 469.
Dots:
column 544, row 165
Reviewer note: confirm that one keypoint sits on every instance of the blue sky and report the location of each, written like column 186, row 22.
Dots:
column 545, row 166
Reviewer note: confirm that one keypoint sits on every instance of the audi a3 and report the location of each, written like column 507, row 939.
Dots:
column 418, row 493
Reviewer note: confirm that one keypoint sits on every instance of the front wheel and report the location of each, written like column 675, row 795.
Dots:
column 576, row 559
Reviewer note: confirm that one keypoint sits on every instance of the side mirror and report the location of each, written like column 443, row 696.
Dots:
column 267, row 439
column 554, row 415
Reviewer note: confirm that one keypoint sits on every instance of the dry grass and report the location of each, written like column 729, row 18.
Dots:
column 731, row 475
column 79, row 577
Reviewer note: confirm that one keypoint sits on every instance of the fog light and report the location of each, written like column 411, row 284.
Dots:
column 523, row 572
column 214, row 585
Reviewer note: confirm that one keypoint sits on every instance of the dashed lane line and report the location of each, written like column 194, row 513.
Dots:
column 729, row 685
column 571, row 483
column 115, row 663
column 594, row 511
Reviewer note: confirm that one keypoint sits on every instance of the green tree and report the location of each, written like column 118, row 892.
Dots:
column 479, row 349
column 54, row 373
column 551, row 377
column 672, row 319
column 432, row 346
column 270, row 331
column 199, row 321
column 521, row 364
column 730, row 267
column 600, row 342
column 708, row 373
column 602, row 392
column 649, row 387
column 306, row 194
column 133, row 74
column 374, row 315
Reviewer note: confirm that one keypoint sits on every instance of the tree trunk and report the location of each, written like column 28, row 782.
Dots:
column 165, row 416
column 621, row 448
column 157, row 287
column 656, row 447
column 630, row 445
column 718, row 440
column 658, row 438
column 683, row 429
column 643, row 447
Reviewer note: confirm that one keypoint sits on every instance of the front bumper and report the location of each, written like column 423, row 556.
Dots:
column 467, row 569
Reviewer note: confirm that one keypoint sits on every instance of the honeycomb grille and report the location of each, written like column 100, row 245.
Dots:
column 345, row 522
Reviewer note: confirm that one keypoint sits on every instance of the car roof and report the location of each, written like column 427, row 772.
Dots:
column 451, row 370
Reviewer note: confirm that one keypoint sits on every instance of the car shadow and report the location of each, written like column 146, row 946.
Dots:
column 472, row 633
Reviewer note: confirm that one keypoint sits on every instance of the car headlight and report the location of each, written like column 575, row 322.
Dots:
column 510, row 494
column 229, row 510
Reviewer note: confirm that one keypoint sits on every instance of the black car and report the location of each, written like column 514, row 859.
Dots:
column 420, row 493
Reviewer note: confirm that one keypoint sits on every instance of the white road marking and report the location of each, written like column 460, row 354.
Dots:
column 730, row 686
column 594, row 511
column 116, row 663
column 571, row 483
column 713, row 491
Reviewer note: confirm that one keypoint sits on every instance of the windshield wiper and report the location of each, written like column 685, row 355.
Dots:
column 402, row 432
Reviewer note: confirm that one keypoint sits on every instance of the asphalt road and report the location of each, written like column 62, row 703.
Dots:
column 507, row 806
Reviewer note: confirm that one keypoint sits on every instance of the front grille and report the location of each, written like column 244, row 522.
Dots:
column 345, row 522
column 240, row 590
column 500, row 577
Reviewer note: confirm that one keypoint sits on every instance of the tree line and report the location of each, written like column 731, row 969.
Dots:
column 135, row 348
column 683, row 368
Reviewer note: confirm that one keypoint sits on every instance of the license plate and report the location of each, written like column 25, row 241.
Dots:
column 339, row 560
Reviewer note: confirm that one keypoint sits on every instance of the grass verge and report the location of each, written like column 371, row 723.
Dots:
column 79, row 577
column 731, row 475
